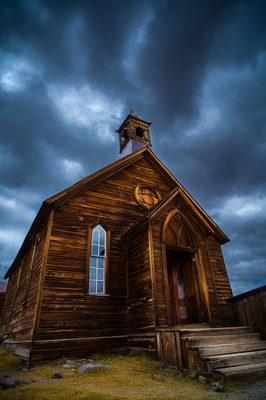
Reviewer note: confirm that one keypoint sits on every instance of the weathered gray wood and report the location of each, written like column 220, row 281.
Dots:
column 250, row 309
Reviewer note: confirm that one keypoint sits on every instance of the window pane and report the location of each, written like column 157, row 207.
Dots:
column 102, row 237
column 97, row 260
column 95, row 236
column 93, row 262
column 99, row 287
column 93, row 273
column 100, row 274
column 92, row 286
column 102, row 251
column 100, row 262
column 95, row 250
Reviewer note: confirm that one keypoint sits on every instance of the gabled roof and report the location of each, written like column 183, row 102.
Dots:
column 96, row 177
column 104, row 173
column 209, row 224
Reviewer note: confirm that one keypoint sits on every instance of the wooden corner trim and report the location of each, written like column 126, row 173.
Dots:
column 42, row 276
column 87, row 260
column 152, row 269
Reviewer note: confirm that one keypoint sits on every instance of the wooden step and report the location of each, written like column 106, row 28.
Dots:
column 214, row 331
column 231, row 360
column 241, row 372
column 221, row 339
column 230, row 348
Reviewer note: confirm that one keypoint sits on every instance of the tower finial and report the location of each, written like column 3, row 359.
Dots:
column 132, row 112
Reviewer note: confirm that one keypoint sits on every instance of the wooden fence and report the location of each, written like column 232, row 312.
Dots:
column 250, row 309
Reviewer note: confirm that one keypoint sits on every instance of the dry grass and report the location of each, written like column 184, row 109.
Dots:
column 126, row 377
column 8, row 362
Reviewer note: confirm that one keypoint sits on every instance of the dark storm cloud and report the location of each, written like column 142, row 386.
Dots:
column 69, row 71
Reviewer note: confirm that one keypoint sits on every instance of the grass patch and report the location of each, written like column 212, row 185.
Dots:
column 8, row 361
column 125, row 378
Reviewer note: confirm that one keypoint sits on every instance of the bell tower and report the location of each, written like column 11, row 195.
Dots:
column 134, row 134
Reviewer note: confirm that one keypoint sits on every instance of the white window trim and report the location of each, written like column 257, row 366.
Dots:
column 98, row 257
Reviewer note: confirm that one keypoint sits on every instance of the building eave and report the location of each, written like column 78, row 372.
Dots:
column 40, row 216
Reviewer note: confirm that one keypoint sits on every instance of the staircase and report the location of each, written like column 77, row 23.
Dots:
column 233, row 353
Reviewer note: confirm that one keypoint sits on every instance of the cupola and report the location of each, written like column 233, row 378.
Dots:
column 134, row 134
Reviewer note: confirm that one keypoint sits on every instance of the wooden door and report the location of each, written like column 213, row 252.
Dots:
column 179, row 306
column 192, row 290
column 185, row 301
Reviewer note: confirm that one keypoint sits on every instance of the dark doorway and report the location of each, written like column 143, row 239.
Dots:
column 183, row 284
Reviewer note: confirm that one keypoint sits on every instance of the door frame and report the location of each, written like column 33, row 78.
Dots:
column 199, row 268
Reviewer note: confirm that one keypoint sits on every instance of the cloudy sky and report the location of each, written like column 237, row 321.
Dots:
column 71, row 70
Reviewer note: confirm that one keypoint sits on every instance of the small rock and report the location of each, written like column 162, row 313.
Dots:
column 203, row 380
column 24, row 382
column 57, row 375
column 90, row 367
column 7, row 382
column 158, row 377
column 184, row 373
column 192, row 374
column 70, row 363
column 66, row 366
column 217, row 387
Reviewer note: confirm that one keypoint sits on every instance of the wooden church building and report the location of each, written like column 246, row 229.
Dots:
column 118, row 256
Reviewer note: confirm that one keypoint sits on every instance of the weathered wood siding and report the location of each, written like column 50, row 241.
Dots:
column 169, row 347
column 220, row 288
column 67, row 309
column 2, row 300
column 141, row 316
column 47, row 297
column 250, row 309
column 19, row 310
column 159, row 275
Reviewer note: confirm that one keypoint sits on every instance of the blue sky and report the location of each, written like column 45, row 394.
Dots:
column 71, row 70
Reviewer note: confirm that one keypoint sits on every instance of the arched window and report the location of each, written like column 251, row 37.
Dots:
column 124, row 136
column 177, row 233
column 140, row 132
column 98, row 261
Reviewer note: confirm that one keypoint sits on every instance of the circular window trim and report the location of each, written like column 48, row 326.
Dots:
column 137, row 196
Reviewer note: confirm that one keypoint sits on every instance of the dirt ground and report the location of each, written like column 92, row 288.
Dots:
column 125, row 378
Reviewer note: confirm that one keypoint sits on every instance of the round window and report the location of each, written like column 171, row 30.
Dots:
column 146, row 196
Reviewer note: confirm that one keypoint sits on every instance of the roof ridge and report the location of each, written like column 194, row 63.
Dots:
column 95, row 174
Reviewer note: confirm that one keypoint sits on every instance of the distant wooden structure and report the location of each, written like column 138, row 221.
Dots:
column 250, row 309
column 113, row 258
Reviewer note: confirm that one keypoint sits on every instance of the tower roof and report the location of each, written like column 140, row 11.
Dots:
column 134, row 117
